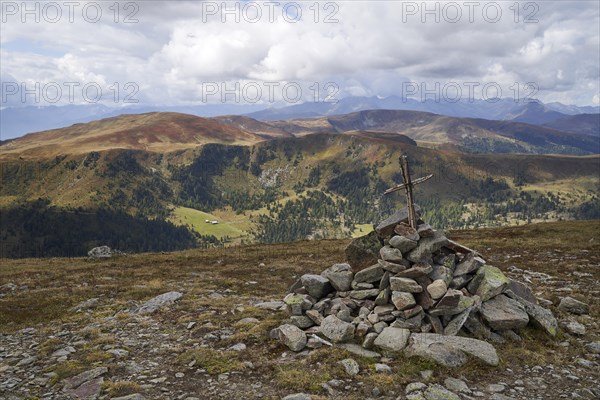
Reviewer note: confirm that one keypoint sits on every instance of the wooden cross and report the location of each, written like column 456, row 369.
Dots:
column 408, row 186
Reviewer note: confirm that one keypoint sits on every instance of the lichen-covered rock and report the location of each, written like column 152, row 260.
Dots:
column 340, row 276
column 503, row 313
column 403, row 244
column 426, row 247
column 337, row 330
column 405, row 285
column 392, row 339
column 488, row 282
column 470, row 263
column 292, row 336
column 363, row 251
column 369, row 274
column 317, row 286
column 570, row 305
column 391, row 254
column 446, row 350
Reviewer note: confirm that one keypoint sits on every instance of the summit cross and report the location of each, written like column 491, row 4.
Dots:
column 408, row 187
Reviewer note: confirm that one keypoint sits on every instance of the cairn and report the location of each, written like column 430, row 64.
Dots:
column 411, row 290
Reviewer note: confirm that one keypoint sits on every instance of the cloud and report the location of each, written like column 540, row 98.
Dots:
column 175, row 48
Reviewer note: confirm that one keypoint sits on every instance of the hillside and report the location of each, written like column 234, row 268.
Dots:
column 588, row 124
column 155, row 132
column 87, row 310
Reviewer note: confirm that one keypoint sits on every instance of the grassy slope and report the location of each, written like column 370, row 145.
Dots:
column 195, row 220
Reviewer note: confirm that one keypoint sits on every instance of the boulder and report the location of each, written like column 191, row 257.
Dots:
column 340, row 276
column 503, row 313
column 570, row 305
column 405, row 285
column 369, row 274
column 386, row 227
column 521, row 290
column 417, row 270
column 391, row 267
column 488, row 282
column 426, row 247
column 403, row 244
column 337, row 330
column 407, row 231
column 391, row 254
column 100, row 252
column 403, row 300
column 392, row 339
column 158, row 302
column 449, row 350
column 292, row 336
column 470, row 263
column 437, row 289
column 363, row 251
column 539, row 315
column 317, row 286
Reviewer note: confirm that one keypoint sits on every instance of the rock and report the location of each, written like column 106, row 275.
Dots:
column 382, row 368
column 450, row 299
column 135, row 396
column 85, row 305
column 413, row 387
column 100, row 252
column 315, row 316
column 247, row 320
column 470, row 263
column 78, row 380
column 340, row 276
column 369, row 274
column 413, row 324
column 441, row 272
column 292, row 336
column 403, row 244
column 317, row 286
column 459, row 282
column 502, row 313
column 383, row 297
column 359, row 351
column 570, row 305
column 297, row 396
column 88, row 390
column 426, row 247
column 159, row 301
column 403, row 300
column 405, row 285
column 457, row 323
column 447, row 350
column 391, row 254
column 496, row 388
column 364, row 294
column 271, row 305
column 407, row 231
column 237, row 347
column 438, row 392
column 392, row 339
column 350, row 366
column 574, row 327
column 456, row 385
column 593, row 347
column 363, row 251
column 542, row 317
column 425, row 230
column 437, row 289
column 118, row 353
column 387, row 226
column 337, row 330
column 488, row 282
column 521, row 290
column 391, row 267
column 417, row 270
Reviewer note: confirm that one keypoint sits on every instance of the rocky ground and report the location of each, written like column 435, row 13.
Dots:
column 72, row 328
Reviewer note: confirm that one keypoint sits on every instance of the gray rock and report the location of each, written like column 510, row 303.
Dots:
column 386, row 227
column 392, row 339
column 456, row 385
column 457, row 323
column 100, row 252
column 447, row 350
column 521, row 290
column 360, row 351
column 438, row 392
column 158, row 302
column 382, row 368
column 78, row 380
column 502, row 313
column 89, row 390
column 369, row 274
column 417, row 270
column 403, row 244
column 135, row 396
column 540, row 316
column 271, row 305
column 441, row 272
column 391, row 267
column 315, row 316
column 426, row 247
column 340, row 276
column 363, row 251
column 414, row 387
column 403, row 300
column 425, row 230
column 350, row 366
column 237, row 347
column 383, row 297
column 292, row 336
column 437, row 289
column 364, row 294
column 337, row 330
column 470, row 263
column 391, row 254
column 405, row 285
column 459, row 282
column 317, row 286
column 301, row 321
column 570, row 305
column 85, row 305
column 488, row 282
column 297, row 396
column 574, row 327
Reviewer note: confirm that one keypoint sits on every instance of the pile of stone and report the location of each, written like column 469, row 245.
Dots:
column 411, row 290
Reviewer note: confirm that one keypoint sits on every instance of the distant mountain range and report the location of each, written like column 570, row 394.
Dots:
column 16, row 121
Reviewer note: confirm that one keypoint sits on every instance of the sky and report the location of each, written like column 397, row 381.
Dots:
column 189, row 53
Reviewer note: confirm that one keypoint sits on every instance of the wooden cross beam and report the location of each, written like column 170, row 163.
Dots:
column 408, row 186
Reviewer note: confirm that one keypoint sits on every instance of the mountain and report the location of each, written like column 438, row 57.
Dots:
column 535, row 112
column 157, row 132
column 473, row 135
column 573, row 109
column 588, row 124
column 263, row 129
